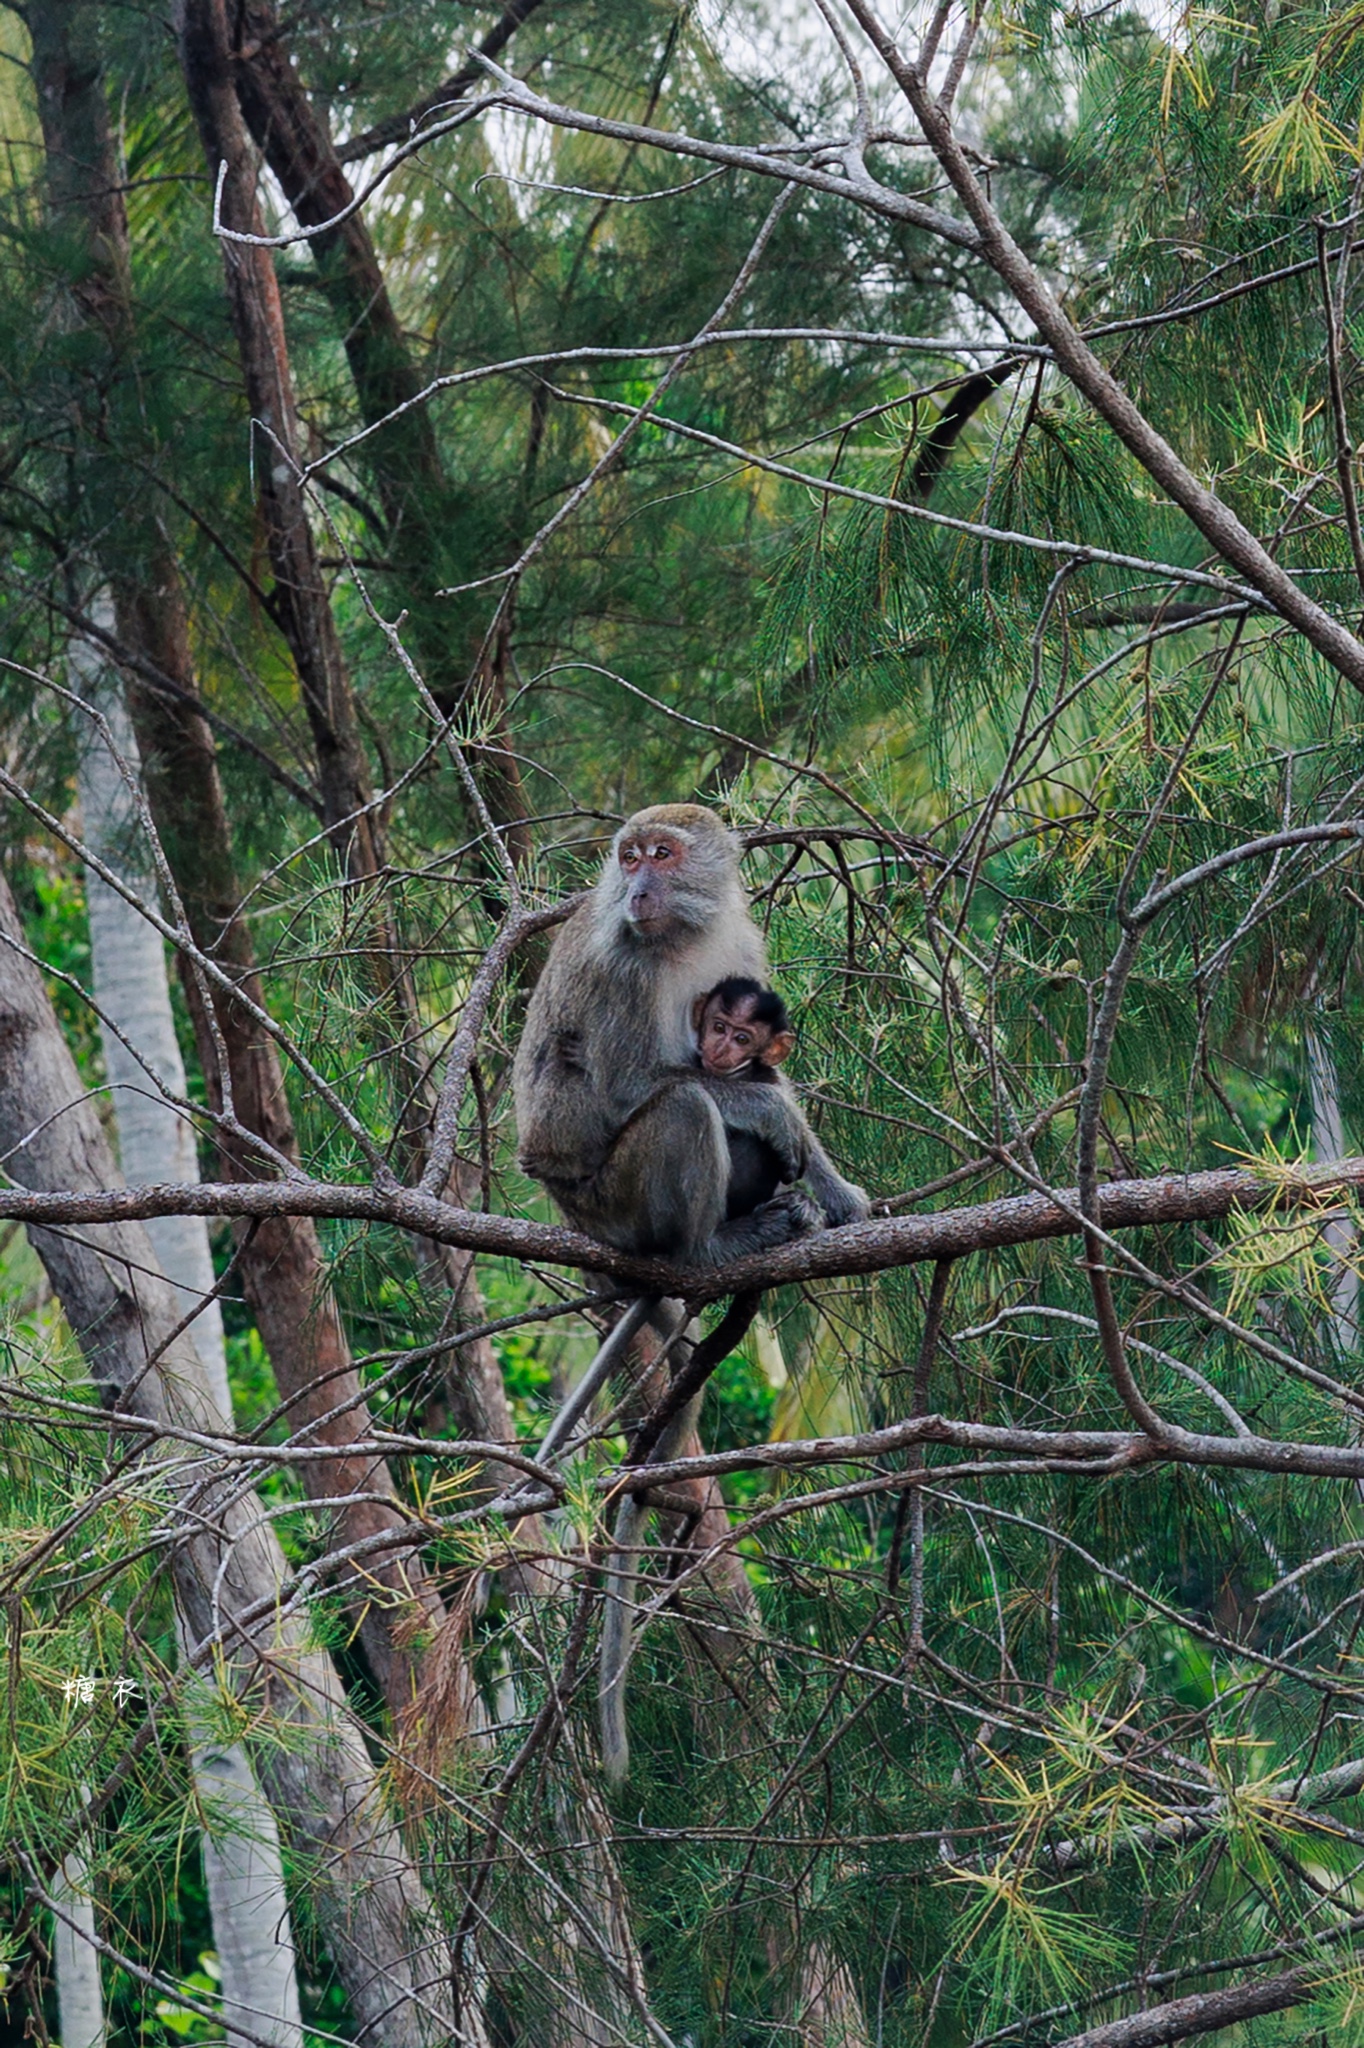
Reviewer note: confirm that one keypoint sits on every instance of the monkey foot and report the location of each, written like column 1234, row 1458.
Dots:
column 788, row 1215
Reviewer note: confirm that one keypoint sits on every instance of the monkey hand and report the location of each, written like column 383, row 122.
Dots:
column 842, row 1203
column 789, row 1215
column 839, row 1200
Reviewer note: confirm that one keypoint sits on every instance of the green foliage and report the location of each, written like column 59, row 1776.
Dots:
column 947, row 755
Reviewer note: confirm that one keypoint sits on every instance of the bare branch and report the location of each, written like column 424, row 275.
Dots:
column 1206, row 2012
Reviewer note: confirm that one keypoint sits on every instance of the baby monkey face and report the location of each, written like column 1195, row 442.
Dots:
column 732, row 1039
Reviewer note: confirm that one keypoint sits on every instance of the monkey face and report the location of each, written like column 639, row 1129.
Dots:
column 729, row 1041
column 651, row 864
column 672, row 873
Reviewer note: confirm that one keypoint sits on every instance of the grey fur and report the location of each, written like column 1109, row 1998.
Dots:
column 771, row 1114
column 629, row 1137
column 612, row 1114
column 596, row 1376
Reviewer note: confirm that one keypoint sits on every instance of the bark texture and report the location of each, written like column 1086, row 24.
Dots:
column 300, row 600
column 282, row 1268
column 877, row 1246
column 1204, row 2012
column 243, row 1870
column 227, row 1565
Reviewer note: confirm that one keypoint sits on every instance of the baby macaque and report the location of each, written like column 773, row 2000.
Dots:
column 743, row 1033
column 742, row 1025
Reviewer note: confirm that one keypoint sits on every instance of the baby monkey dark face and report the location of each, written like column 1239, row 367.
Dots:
column 740, row 1025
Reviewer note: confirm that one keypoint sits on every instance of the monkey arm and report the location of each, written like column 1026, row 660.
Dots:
column 841, row 1201
column 773, row 1114
column 565, row 1129
column 770, row 1113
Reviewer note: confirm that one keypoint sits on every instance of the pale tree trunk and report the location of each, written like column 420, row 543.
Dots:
column 227, row 1563
column 243, row 1871
column 1328, row 1143
column 75, row 1959
column 281, row 1264
column 132, row 989
column 242, row 1864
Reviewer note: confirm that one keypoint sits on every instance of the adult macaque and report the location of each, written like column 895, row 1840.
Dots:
column 630, row 1136
column 613, row 1114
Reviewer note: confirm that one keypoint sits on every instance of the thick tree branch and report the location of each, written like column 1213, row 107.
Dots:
column 880, row 1245
column 1205, row 2012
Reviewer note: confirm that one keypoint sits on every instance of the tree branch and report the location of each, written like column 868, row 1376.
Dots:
column 1213, row 518
column 1204, row 2012
column 880, row 1245
column 402, row 127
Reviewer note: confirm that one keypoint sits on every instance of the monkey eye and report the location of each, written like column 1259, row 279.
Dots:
column 660, row 852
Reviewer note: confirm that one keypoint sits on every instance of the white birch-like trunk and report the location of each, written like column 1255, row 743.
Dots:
column 132, row 988
column 242, row 1864
column 75, row 1959
column 1328, row 1143
column 226, row 1561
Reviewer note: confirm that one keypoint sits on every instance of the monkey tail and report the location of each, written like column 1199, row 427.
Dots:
column 622, row 1595
column 617, row 1631
column 600, row 1370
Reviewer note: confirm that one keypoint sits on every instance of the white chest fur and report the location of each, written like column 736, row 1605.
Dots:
column 736, row 950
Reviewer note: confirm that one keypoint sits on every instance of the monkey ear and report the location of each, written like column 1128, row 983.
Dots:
column 698, row 1011
column 780, row 1047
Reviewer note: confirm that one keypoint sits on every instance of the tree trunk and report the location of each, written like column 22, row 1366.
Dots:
column 413, row 492
column 244, row 1874
column 128, row 975
column 227, row 1564
column 1328, row 1144
column 283, row 1275
column 428, row 540
column 75, row 1959
column 425, row 533
column 300, row 601
column 242, row 1866
column 281, row 1264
